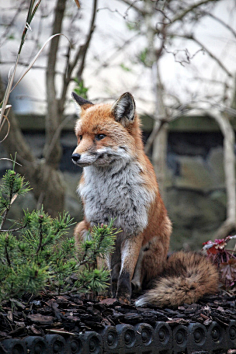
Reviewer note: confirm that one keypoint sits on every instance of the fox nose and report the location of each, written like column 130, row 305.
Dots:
column 75, row 157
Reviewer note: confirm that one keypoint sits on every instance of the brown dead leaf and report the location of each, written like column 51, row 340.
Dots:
column 18, row 303
column 228, row 272
column 38, row 318
column 178, row 321
column 50, row 302
column 60, row 331
column 207, row 322
column 108, row 301
column 73, row 318
column 4, row 335
column 62, row 299
column 34, row 330
column 10, row 315
column 77, row 3
column 20, row 324
column 8, row 126
column 14, row 198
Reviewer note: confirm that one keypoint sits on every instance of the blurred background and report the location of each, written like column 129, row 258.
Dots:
column 177, row 58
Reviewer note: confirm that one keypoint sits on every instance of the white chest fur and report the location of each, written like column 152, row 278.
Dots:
column 116, row 193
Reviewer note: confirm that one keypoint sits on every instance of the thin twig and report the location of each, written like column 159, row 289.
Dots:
column 39, row 67
column 193, row 38
column 13, row 230
column 4, row 218
column 220, row 21
column 114, row 55
column 11, row 23
column 153, row 135
column 132, row 5
column 188, row 56
column 190, row 9
column 6, row 252
column 80, row 55
column 40, row 237
column 56, row 136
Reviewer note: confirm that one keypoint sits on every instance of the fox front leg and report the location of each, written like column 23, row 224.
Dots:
column 138, row 274
column 80, row 233
column 130, row 250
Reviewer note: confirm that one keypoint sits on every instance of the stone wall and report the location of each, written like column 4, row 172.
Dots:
column 195, row 197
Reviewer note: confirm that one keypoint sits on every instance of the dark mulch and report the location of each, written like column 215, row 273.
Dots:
column 69, row 314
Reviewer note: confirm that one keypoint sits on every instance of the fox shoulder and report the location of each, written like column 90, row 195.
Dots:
column 186, row 278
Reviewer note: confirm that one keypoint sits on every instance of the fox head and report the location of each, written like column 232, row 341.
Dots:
column 106, row 133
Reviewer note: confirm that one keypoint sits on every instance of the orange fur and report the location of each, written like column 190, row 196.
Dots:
column 186, row 278
column 141, row 256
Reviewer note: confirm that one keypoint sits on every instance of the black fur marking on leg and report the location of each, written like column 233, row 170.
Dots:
column 124, row 287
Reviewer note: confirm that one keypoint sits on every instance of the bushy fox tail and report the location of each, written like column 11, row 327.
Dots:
column 186, row 278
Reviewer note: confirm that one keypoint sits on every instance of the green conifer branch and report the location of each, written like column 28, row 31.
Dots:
column 37, row 255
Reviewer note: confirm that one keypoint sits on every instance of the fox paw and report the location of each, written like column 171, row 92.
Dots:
column 136, row 286
column 124, row 300
column 123, row 293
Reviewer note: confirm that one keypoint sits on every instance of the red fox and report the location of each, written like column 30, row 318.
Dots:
column 119, row 183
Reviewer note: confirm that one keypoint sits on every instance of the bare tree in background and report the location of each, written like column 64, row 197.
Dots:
column 43, row 174
column 223, row 117
column 164, row 21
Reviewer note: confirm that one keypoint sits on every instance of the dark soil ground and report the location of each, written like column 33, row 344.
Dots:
column 67, row 314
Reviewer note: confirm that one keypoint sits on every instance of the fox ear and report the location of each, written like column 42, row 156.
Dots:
column 124, row 109
column 82, row 102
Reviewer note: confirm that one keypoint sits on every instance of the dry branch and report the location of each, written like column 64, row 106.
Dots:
column 84, row 48
column 53, row 117
column 180, row 17
column 220, row 21
column 79, row 56
column 229, row 169
column 194, row 39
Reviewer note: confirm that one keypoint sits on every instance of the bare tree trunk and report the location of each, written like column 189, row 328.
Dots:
column 49, row 188
column 150, row 33
column 54, row 114
column 47, row 183
column 43, row 175
column 160, row 142
column 229, row 168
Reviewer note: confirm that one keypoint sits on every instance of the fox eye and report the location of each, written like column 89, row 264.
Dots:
column 80, row 137
column 100, row 136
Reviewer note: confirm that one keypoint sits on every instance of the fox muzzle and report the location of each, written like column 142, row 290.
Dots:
column 75, row 158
